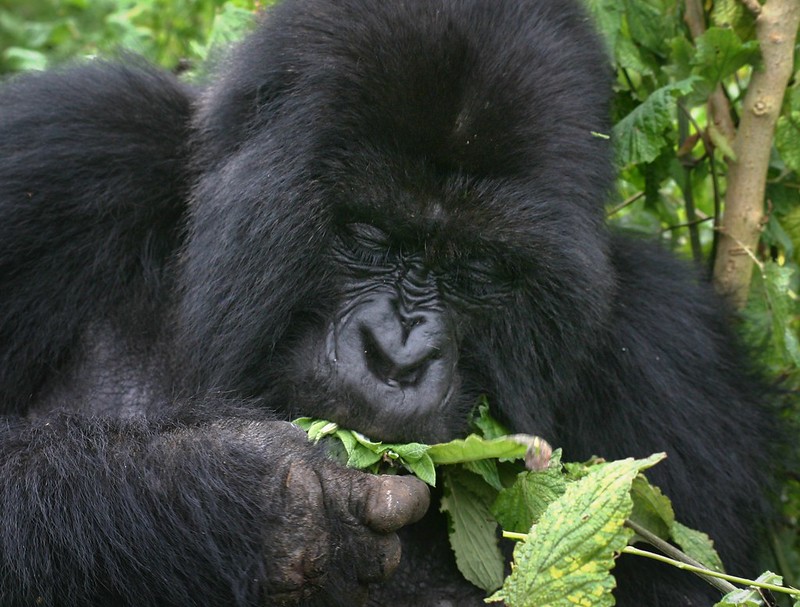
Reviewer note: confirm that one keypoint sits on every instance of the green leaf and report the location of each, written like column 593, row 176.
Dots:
column 697, row 545
column 631, row 57
column 720, row 141
column 651, row 509
column 361, row 457
column 316, row 428
column 363, row 453
column 777, row 283
column 321, row 428
column 473, row 448
column 641, row 135
column 787, row 131
column 607, row 16
column 569, row 554
column 22, row 59
column 733, row 14
column 681, row 54
column 647, row 23
column 410, row 452
column 473, row 531
column 522, row 504
column 489, row 427
column 231, row 23
column 423, row 468
column 743, row 597
column 487, row 470
column 720, row 52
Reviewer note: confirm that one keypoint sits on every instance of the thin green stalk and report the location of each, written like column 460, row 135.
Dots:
column 673, row 552
column 708, row 572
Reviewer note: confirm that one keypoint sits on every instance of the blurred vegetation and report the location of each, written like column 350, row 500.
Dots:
column 36, row 34
column 673, row 161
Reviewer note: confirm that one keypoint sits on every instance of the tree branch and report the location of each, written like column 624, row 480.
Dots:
column 719, row 107
column 776, row 29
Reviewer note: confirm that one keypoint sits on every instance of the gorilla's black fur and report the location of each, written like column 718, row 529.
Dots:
column 375, row 213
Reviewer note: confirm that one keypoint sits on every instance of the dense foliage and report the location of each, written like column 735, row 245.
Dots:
column 683, row 70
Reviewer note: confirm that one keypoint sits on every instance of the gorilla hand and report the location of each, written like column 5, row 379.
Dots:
column 337, row 530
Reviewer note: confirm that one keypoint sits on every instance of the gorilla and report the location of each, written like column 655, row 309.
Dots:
column 375, row 213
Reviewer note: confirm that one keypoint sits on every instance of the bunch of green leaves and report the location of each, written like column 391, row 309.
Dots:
column 673, row 159
column 573, row 519
column 476, row 452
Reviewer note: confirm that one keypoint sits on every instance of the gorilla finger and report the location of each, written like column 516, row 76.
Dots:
column 303, row 490
column 395, row 501
column 380, row 559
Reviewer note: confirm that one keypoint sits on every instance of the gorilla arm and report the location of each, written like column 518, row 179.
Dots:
column 130, row 512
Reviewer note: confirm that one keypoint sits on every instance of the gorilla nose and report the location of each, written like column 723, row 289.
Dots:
column 399, row 362
column 400, row 354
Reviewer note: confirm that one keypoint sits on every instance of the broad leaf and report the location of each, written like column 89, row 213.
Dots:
column 473, row 530
column 641, row 135
column 569, row 554
column 697, row 545
column 521, row 505
column 750, row 597
column 651, row 509
column 472, row 448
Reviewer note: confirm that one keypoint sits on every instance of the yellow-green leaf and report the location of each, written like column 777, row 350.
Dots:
column 569, row 554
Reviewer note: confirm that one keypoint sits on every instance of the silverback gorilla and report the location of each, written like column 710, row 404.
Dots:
column 374, row 213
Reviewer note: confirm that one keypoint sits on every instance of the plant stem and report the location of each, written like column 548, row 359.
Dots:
column 678, row 555
column 708, row 573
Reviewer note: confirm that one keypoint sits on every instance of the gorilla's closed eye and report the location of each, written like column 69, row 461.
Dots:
column 363, row 244
column 478, row 281
column 367, row 235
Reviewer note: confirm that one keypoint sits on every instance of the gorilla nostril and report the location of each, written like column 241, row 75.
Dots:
column 388, row 369
column 411, row 322
column 377, row 362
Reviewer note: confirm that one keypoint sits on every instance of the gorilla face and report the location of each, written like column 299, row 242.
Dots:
column 392, row 343
column 392, row 346
column 380, row 251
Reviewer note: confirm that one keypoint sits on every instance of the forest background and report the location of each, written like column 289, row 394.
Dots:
column 707, row 138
